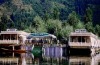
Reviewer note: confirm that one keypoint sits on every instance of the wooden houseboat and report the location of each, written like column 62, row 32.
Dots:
column 12, row 40
column 83, row 42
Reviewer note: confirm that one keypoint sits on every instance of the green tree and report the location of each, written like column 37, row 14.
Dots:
column 88, row 16
column 89, row 27
column 39, row 24
column 1, row 26
column 80, row 25
column 56, row 13
column 65, row 31
column 97, row 29
column 46, row 16
column 30, row 29
column 10, row 24
column 54, row 26
column 73, row 19
column 4, row 21
column 37, row 21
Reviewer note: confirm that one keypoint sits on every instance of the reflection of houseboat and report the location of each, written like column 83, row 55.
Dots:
column 8, row 58
column 76, row 60
column 80, row 61
column 83, row 42
column 37, row 51
column 53, row 51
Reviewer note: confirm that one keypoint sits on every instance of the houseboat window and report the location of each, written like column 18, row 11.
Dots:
column 0, row 37
column 33, row 41
column 78, row 39
column 13, row 37
column 81, row 39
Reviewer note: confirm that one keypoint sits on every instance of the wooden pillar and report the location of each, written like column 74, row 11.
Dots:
column 81, row 39
column 17, row 38
column 13, row 47
column 13, row 54
column 3, row 37
column 85, row 39
column 92, row 51
column 10, row 36
column 70, row 40
column 51, row 41
column 17, row 62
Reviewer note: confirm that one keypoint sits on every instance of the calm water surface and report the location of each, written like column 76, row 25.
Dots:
column 54, row 58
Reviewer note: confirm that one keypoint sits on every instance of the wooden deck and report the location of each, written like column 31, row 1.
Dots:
column 9, row 41
column 79, row 45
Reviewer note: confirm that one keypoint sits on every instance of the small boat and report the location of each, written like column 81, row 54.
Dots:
column 20, row 51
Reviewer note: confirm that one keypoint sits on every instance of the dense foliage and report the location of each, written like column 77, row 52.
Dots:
column 58, row 17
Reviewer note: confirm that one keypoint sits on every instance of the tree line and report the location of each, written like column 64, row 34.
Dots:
column 52, row 25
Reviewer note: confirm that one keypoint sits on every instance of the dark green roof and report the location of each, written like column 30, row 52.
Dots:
column 39, row 34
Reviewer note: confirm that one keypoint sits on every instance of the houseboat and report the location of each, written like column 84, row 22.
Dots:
column 12, row 40
column 41, row 38
column 15, row 40
column 83, row 42
column 37, row 41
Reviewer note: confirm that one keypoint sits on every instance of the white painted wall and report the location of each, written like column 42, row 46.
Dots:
column 94, row 42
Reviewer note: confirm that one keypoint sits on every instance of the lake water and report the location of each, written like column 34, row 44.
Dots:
column 53, row 58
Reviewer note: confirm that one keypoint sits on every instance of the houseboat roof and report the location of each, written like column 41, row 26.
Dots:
column 82, row 33
column 13, row 31
column 39, row 35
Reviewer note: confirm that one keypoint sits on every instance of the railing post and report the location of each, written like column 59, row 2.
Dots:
column 13, row 47
column 17, row 38
column 13, row 55
column 10, row 36
column 3, row 37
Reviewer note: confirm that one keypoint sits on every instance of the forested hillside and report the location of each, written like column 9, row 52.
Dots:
column 58, row 17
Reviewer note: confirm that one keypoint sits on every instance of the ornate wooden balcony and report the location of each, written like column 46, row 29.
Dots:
column 79, row 44
column 9, row 41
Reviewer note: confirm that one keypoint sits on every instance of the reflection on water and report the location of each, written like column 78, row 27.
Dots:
column 80, row 61
column 8, row 58
column 47, row 58
column 51, row 56
column 94, row 60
